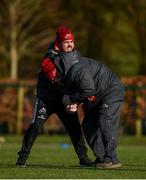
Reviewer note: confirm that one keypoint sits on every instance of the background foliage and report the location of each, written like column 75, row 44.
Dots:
column 113, row 31
column 133, row 115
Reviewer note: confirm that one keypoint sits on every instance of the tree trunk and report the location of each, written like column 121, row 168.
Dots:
column 14, row 61
column 13, row 42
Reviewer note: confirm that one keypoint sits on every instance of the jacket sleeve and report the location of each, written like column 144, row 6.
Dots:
column 84, row 85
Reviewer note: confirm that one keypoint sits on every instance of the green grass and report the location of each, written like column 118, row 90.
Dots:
column 49, row 161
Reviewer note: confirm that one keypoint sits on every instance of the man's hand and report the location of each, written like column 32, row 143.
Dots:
column 71, row 108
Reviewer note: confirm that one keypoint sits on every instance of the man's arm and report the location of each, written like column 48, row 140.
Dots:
column 85, row 88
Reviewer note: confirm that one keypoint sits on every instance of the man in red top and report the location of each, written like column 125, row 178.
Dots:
column 49, row 101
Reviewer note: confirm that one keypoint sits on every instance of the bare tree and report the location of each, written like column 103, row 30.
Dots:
column 25, row 29
column 136, row 11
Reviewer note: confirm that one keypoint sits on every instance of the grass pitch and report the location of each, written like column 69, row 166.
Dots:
column 50, row 160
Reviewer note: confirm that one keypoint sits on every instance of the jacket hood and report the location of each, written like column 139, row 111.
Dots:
column 69, row 59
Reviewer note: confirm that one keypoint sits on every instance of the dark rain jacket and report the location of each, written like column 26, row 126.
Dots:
column 80, row 77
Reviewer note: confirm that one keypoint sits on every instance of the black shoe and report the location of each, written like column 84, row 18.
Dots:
column 21, row 160
column 86, row 162
column 21, row 165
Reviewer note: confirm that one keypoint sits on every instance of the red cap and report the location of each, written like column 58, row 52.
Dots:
column 64, row 33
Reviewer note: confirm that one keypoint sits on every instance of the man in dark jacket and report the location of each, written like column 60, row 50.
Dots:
column 92, row 83
column 49, row 101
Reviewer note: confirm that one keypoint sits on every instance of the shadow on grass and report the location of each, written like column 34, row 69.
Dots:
column 140, row 168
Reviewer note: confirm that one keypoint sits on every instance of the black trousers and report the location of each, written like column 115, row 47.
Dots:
column 43, row 109
column 101, row 126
